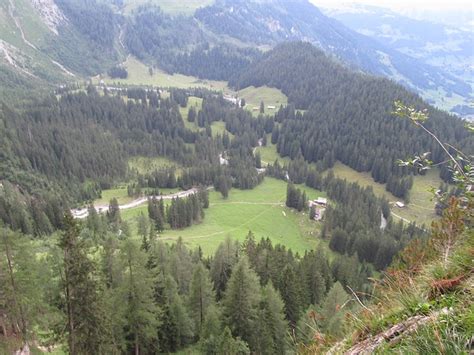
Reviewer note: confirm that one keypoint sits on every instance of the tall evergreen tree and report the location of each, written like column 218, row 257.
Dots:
column 201, row 296
column 272, row 326
column 140, row 312
column 241, row 302
column 86, row 319
column 290, row 294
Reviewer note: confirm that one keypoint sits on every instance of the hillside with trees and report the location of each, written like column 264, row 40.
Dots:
column 170, row 218
column 348, row 116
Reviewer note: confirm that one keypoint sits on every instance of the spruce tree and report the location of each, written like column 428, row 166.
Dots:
column 332, row 313
column 272, row 326
column 201, row 296
column 290, row 294
column 224, row 260
column 241, row 302
column 140, row 313
column 86, row 319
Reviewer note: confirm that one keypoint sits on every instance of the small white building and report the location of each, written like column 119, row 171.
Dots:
column 271, row 107
column 400, row 204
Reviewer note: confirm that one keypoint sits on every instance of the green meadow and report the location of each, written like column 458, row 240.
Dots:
column 138, row 74
column 119, row 192
column 269, row 153
column 270, row 96
column 261, row 210
column 145, row 165
column 420, row 209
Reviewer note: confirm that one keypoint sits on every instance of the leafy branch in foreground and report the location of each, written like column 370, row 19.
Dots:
column 462, row 165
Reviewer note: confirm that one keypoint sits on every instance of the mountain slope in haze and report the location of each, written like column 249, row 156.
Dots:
column 273, row 21
column 446, row 47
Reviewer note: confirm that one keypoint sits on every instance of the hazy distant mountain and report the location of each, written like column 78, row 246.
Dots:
column 446, row 47
column 439, row 45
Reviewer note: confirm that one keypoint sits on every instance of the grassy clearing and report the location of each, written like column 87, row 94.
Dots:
column 261, row 210
column 138, row 74
column 363, row 179
column 120, row 193
column 195, row 102
column 421, row 206
column 173, row 7
column 218, row 127
column 269, row 153
column 270, row 96
column 144, row 165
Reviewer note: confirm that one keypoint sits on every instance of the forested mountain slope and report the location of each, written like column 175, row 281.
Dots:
column 54, row 41
column 348, row 114
column 274, row 21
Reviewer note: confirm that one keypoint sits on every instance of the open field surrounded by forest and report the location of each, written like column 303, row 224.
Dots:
column 261, row 210
column 139, row 74
column 271, row 97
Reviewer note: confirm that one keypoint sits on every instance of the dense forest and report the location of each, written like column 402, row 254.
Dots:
column 65, row 150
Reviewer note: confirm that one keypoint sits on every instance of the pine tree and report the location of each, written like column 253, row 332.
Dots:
column 241, row 302
column 272, row 326
column 113, row 213
column 86, row 320
column 192, row 114
column 224, row 260
column 201, row 296
column 212, row 326
column 290, row 294
column 143, row 225
column 332, row 314
column 140, row 312
column 229, row 345
column 176, row 328
column 224, row 187
column 258, row 160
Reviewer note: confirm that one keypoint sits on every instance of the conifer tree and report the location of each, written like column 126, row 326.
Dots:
column 241, row 302
column 229, row 345
column 209, row 337
column 290, row 294
column 113, row 213
column 86, row 319
column 224, row 260
column 140, row 312
column 332, row 314
column 272, row 326
column 201, row 296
